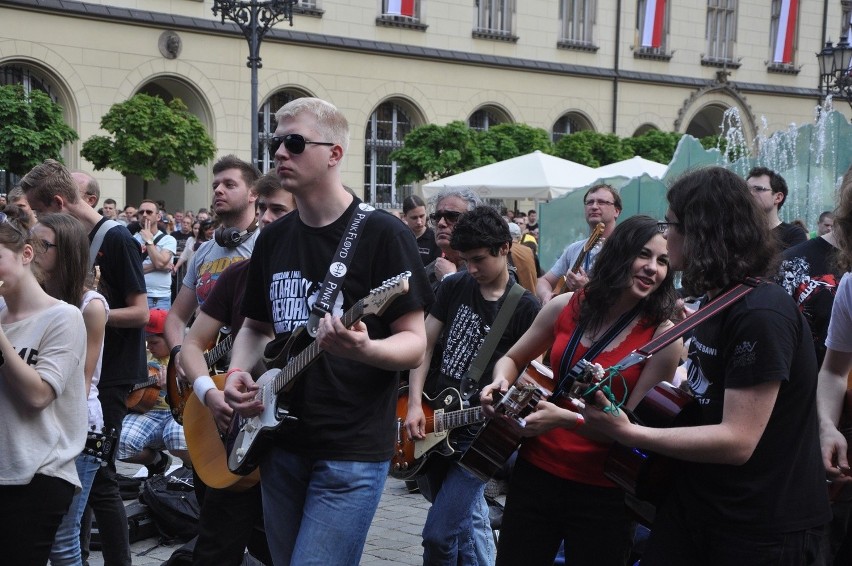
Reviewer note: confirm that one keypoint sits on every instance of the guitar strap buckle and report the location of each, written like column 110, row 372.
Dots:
column 317, row 313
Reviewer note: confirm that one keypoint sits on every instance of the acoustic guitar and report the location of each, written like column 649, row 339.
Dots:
column 591, row 242
column 644, row 475
column 498, row 439
column 144, row 396
column 206, row 446
column 248, row 438
column 443, row 413
column 179, row 391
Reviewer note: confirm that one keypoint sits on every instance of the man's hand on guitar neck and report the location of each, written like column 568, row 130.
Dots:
column 336, row 339
column 575, row 281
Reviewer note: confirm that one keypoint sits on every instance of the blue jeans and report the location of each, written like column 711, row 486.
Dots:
column 457, row 529
column 66, row 544
column 318, row 512
column 162, row 303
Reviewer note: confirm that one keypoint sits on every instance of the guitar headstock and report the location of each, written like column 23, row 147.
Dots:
column 381, row 297
column 596, row 234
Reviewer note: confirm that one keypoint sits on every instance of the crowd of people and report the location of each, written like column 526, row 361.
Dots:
column 329, row 303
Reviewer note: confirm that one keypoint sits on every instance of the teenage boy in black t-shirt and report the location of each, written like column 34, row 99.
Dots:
column 457, row 529
column 751, row 486
column 324, row 477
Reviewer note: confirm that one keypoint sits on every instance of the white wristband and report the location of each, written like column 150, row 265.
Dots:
column 201, row 385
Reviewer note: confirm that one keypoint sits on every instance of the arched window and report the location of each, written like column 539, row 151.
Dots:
column 266, row 123
column 486, row 117
column 30, row 79
column 386, row 129
column 568, row 124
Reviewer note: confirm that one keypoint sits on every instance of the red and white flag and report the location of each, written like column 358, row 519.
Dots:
column 652, row 31
column 786, row 31
column 401, row 8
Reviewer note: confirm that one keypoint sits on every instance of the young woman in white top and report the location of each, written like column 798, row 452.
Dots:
column 62, row 253
column 42, row 400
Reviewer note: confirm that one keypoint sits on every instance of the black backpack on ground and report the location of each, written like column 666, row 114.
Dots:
column 172, row 504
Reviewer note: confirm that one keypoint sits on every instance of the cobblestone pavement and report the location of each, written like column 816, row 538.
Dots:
column 394, row 537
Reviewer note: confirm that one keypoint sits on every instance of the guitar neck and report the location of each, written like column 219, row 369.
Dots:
column 455, row 419
column 215, row 354
column 289, row 372
column 147, row 383
column 579, row 261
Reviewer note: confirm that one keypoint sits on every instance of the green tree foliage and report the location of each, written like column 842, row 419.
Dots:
column 150, row 138
column 432, row 152
column 592, row 149
column 654, row 145
column 505, row 141
column 31, row 129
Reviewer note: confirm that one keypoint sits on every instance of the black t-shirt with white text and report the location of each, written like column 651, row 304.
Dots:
column 346, row 409
column 781, row 488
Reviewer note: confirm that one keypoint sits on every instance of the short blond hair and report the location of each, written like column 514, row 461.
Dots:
column 331, row 123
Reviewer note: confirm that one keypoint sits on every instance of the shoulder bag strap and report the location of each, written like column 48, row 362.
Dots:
column 98, row 240
column 470, row 380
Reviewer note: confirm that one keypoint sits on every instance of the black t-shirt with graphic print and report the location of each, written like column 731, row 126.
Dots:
column 346, row 409
column 467, row 317
column 781, row 488
column 809, row 275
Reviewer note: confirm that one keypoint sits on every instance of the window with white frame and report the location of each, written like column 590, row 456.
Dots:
column 783, row 31
column 652, row 27
column 266, row 124
column 386, row 129
column 721, row 31
column 401, row 8
column 577, row 19
column 494, row 17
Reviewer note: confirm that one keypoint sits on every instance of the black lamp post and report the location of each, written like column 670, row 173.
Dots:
column 254, row 18
column 835, row 77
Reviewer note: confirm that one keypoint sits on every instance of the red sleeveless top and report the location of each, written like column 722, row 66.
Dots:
column 559, row 451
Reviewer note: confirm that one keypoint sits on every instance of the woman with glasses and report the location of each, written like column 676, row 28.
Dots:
column 42, row 400
column 557, row 491
column 62, row 258
column 414, row 215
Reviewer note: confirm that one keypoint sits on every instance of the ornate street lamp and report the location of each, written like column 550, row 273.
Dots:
column 835, row 76
column 254, row 18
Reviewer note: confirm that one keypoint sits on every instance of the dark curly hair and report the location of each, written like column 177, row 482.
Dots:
column 613, row 274
column 482, row 227
column 726, row 236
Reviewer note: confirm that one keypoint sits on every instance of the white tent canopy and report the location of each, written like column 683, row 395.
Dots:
column 533, row 176
column 630, row 168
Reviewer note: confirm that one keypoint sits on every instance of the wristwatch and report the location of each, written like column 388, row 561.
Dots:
column 151, row 243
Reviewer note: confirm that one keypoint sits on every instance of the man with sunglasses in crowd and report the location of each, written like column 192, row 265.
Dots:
column 449, row 206
column 769, row 190
column 602, row 203
column 323, row 477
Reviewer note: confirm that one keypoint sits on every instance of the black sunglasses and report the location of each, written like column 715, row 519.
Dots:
column 451, row 216
column 294, row 143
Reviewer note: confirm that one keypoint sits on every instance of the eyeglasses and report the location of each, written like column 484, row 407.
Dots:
column 757, row 189
column 47, row 245
column 664, row 225
column 451, row 216
column 293, row 143
column 594, row 202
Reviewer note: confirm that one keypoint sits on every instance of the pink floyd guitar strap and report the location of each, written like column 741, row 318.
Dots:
column 339, row 266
